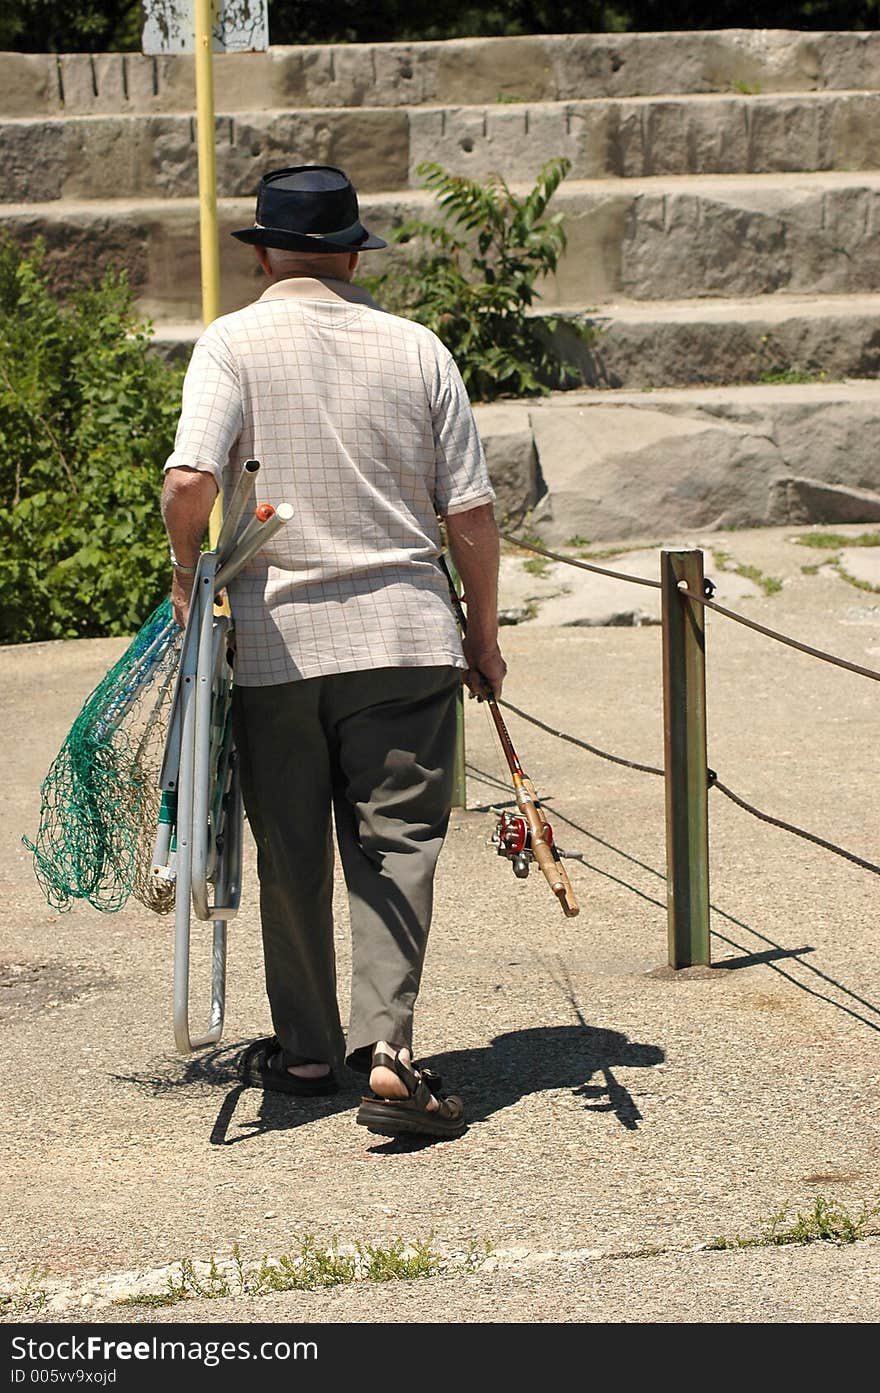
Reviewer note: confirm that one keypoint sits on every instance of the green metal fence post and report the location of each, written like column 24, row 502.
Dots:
column 684, row 723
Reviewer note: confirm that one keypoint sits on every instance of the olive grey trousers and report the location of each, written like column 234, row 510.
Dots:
column 375, row 749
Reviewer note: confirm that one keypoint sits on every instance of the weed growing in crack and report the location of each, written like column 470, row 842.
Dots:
column 833, row 541
column 536, row 566
column 28, row 1300
column 310, row 1268
column 769, row 584
column 828, row 1221
column 855, row 580
column 725, row 562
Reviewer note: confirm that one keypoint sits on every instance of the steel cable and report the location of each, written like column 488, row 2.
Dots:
column 797, row 831
column 714, row 782
column 581, row 744
column 701, row 600
column 781, row 638
column 582, row 565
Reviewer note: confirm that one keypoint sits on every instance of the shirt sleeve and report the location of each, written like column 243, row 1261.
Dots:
column 211, row 414
column 462, row 477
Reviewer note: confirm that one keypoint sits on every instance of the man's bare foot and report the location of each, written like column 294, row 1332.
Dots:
column 384, row 1082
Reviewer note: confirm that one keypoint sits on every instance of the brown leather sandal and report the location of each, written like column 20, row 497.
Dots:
column 393, row 1117
column 262, row 1066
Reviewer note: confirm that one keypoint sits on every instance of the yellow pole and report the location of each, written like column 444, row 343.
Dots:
column 210, row 245
column 208, row 232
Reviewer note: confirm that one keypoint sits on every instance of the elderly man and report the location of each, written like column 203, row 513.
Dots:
column 348, row 659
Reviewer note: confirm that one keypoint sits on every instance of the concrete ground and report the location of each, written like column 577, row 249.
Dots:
column 623, row 1118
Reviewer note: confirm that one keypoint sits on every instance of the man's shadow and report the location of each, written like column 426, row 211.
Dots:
column 520, row 1062
column 580, row 1058
column 218, row 1067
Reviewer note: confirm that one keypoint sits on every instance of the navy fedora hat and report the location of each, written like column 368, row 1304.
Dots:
column 308, row 208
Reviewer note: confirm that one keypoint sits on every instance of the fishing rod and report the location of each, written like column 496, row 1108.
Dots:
column 527, row 835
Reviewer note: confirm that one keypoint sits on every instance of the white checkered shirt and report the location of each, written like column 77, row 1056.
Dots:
column 360, row 420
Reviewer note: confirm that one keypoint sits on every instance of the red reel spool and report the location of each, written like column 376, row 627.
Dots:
column 513, row 837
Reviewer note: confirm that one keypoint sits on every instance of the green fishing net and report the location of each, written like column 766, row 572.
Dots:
column 100, row 799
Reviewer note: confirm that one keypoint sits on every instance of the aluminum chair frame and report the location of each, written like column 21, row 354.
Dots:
column 200, row 837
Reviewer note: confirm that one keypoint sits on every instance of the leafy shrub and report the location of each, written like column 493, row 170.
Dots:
column 472, row 280
column 68, row 26
column 87, row 418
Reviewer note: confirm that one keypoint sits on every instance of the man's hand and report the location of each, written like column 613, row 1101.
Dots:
column 474, row 544
column 181, row 595
column 485, row 666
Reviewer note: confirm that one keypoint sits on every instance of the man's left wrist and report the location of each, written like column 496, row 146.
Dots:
column 181, row 568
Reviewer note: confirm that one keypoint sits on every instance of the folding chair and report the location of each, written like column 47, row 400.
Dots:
column 198, row 848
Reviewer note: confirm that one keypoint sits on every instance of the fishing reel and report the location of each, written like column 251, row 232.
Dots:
column 513, row 839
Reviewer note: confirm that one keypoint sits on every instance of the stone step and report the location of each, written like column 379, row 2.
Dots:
column 639, row 137
column 609, row 466
column 767, row 338
column 134, row 156
column 91, row 157
column 786, row 338
column 638, row 239
column 527, row 68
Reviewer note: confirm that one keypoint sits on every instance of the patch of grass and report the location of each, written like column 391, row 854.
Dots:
column 28, row 1301
column 476, row 1253
column 532, row 539
column 772, row 366
column 188, row 1283
column 396, row 1264
column 855, row 580
column 833, row 541
column 725, row 562
column 769, row 584
column 506, row 98
column 746, row 89
column 537, row 565
column 790, row 377
column 828, row 1221
column 310, row 1268
column 578, row 541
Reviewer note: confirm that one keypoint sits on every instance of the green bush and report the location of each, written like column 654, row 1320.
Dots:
column 472, row 280
column 87, row 418
column 69, row 26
